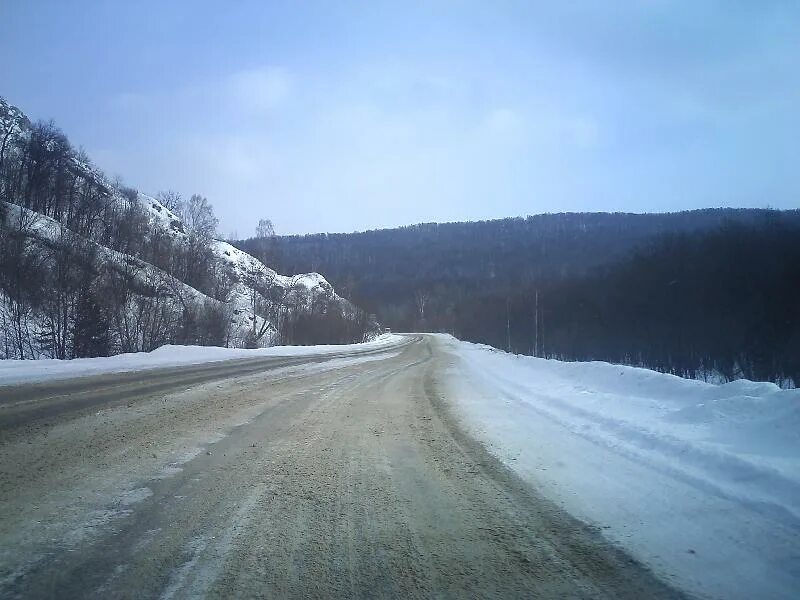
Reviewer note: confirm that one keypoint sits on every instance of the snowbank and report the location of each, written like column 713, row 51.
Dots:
column 28, row 371
column 699, row 481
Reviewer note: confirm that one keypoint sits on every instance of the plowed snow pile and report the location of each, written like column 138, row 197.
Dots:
column 29, row 371
column 699, row 481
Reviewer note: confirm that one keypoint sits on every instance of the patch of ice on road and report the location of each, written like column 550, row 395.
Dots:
column 176, row 466
column 135, row 495
column 102, row 517
column 145, row 540
column 95, row 520
column 699, row 481
column 180, row 576
column 207, row 552
column 68, row 532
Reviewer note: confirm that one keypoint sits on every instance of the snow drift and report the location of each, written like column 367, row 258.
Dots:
column 699, row 481
column 14, row 372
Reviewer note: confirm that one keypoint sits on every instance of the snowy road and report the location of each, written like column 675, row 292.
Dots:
column 342, row 476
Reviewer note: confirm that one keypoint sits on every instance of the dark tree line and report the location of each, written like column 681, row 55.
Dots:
column 724, row 302
column 685, row 293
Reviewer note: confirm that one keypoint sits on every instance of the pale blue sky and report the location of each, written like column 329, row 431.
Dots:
column 337, row 116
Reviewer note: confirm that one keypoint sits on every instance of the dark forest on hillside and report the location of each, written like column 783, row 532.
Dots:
column 685, row 293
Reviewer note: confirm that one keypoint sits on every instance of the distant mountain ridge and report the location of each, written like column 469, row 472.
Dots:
column 688, row 293
column 380, row 264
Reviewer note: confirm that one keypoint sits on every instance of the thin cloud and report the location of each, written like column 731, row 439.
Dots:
column 260, row 90
column 342, row 118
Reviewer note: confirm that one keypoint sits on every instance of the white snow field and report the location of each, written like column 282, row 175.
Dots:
column 700, row 482
column 29, row 371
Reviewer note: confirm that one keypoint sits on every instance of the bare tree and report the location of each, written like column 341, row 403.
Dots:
column 172, row 201
column 21, row 278
column 199, row 218
column 421, row 299
column 265, row 229
column 259, row 282
column 12, row 123
column 263, row 246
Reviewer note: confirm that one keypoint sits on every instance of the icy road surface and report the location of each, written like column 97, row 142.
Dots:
column 343, row 475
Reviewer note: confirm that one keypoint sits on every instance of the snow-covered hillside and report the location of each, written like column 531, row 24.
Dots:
column 699, row 481
column 91, row 267
column 250, row 277
column 241, row 262
column 257, row 294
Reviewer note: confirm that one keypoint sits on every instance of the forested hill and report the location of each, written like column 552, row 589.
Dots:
column 92, row 267
column 603, row 283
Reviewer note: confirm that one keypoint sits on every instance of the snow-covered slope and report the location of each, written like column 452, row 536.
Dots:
column 257, row 296
column 241, row 262
column 699, row 481
column 167, row 280
column 250, row 276
column 49, row 230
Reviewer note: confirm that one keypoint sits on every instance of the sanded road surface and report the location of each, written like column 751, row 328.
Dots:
column 347, row 476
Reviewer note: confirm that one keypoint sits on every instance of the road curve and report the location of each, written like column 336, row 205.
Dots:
column 27, row 403
column 342, row 476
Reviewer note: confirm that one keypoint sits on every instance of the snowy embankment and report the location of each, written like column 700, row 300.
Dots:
column 29, row 371
column 701, row 482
